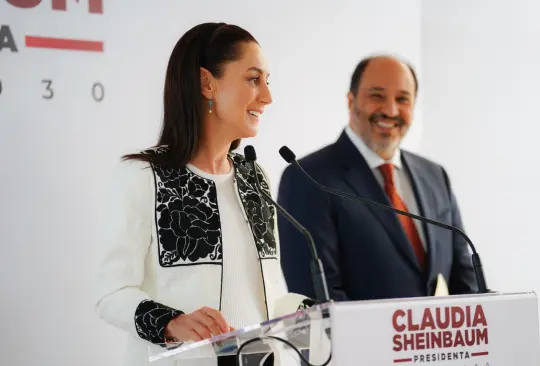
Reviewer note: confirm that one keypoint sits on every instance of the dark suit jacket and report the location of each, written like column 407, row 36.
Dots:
column 364, row 250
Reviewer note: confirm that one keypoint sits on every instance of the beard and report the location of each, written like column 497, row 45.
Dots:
column 383, row 144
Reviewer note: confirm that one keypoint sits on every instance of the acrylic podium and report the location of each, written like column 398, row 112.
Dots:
column 477, row 330
column 303, row 330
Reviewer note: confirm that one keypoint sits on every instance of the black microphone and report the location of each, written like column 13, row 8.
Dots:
column 317, row 270
column 290, row 158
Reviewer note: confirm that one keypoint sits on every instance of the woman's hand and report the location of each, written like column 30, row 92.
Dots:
column 201, row 324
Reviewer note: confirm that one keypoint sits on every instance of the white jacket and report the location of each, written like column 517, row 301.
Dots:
column 144, row 280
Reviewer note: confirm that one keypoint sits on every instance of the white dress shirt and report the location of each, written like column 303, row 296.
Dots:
column 402, row 181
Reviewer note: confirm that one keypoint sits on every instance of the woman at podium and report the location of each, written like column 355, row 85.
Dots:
column 192, row 249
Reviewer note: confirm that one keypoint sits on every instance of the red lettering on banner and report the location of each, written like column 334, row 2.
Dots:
column 458, row 317
column 427, row 320
column 447, row 339
column 410, row 324
column 443, row 324
column 449, row 317
column 421, row 341
column 408, row 342
column 458, row 341
column 479, row 317
column 398, row 327
column 38, row 41
column 24, row 3
column 482, row 336
column 441, row 339
column 447, row 327
column 94, row 6
column 397, row 343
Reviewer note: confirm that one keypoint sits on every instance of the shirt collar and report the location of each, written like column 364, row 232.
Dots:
column 373, row 160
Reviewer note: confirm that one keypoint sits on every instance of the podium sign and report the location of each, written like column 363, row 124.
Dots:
column 479, row 330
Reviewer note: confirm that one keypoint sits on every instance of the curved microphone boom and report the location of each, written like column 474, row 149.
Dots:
column 290, row 158
column 317, row 270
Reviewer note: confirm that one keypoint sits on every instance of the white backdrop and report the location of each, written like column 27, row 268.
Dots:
column 57, row 153
column 480, row 85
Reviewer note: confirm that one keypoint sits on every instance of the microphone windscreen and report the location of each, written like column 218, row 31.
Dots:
column 249, row 153
column 287, row 154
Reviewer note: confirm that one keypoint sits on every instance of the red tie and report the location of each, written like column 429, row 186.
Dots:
column 387, row 171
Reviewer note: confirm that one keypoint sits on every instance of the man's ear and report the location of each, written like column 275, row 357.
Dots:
column 350, row 101
column 207, row 84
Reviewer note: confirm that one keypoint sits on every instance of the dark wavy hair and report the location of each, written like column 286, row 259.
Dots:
column 207, row 45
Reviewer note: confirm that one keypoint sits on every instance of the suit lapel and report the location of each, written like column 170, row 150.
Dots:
column 362, row 181
column 424, row 199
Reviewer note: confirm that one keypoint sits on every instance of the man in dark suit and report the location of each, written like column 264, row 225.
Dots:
column 367, row 252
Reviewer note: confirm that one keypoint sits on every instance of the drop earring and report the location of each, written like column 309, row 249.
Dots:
column 210, row 105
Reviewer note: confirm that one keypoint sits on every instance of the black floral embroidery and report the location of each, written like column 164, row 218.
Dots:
column 261, row 216
column 189, row 225
column 187, row 215
column 151, row 318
